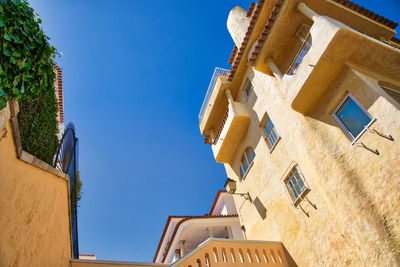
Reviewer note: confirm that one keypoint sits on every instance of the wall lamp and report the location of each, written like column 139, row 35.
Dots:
column 230, row 186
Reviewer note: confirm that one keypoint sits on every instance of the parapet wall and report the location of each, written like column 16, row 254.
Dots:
column 34, row 204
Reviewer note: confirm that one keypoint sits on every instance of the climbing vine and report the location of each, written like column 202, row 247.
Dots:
column 26, row 57
column 27, row 75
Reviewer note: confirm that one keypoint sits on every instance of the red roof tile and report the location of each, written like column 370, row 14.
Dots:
column 60, row 92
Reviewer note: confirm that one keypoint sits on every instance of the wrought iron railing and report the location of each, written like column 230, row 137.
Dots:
column 301, row 53
column 217, row 72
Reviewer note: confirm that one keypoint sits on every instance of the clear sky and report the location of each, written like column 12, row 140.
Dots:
column 135, row 74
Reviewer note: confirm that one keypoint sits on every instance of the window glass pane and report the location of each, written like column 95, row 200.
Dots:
column 248, row 88
column 353, row 117
column 269, row 132
column 295, row 184
column 247, row 158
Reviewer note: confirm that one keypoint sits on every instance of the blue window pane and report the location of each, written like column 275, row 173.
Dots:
column 247, row 158
column 353, row 117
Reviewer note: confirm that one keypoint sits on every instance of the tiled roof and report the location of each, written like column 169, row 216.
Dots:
column 186, row 218
column 251, row 8
column 267, row 28
column 60, row 93
column 215, row 200
column 271, row 19
column 239, row 55
column 233, row 55
column 367, row 13
column 396, row 40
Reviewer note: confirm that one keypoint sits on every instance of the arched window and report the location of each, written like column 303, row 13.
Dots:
column 246, row 161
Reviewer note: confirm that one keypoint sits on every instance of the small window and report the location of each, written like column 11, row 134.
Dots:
column 248, row 89
column 352, row 117
column 269, row 132
column 296, row 185
column 246, row 161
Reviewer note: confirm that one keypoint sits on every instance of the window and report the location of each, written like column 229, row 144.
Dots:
column 296, row 185
column 246, row 161
column 248, row 89
column 352, row 117
column 269, row 132
column 303, row 33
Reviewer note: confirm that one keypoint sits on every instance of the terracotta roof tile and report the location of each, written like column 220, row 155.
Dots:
column 236, row 62
column 233, row 55
column 60, row 92
column 251, row 8
column 396, row 40
column 367, row 13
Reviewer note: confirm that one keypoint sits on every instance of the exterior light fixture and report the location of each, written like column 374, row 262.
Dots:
column 230, row 186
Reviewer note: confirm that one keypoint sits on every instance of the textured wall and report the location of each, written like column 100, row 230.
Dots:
column 356, row 192
column 34, row 221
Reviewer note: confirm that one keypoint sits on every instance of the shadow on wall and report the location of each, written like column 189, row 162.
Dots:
column 261, row 209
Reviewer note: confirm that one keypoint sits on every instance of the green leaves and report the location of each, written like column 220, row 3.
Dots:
column 25, row 53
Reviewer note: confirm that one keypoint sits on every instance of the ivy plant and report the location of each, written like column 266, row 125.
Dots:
column 26, row 57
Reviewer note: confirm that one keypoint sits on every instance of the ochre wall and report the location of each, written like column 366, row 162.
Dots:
column 34, row 205
column 356, row 192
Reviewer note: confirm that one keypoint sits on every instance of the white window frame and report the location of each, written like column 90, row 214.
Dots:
column 343, row 127
column 290, row 171
column 266, row 116
column 250, row 90
column 250, row 163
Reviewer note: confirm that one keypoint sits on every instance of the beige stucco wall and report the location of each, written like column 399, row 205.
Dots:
column 34, row 221
column 356, row 192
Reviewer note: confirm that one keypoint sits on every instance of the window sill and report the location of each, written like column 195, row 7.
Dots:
column 363, row 131
column 248, row 170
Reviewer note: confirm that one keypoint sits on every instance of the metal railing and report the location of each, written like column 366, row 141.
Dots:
column 301, row 53
column 217, row 72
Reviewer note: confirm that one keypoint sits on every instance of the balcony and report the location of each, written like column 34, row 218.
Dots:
column 222, row 252
column 334, row 47
column 218, row 72
column 230, row 132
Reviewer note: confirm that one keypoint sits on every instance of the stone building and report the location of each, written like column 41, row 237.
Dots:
column 307, row 122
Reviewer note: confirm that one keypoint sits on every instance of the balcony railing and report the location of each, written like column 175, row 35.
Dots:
column 301, row 53
column 224, row 252
column 217, row 72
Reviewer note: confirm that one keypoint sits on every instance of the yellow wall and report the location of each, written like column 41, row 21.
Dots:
column 34, row 221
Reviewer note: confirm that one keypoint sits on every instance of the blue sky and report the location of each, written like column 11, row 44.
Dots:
column 135, row 74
